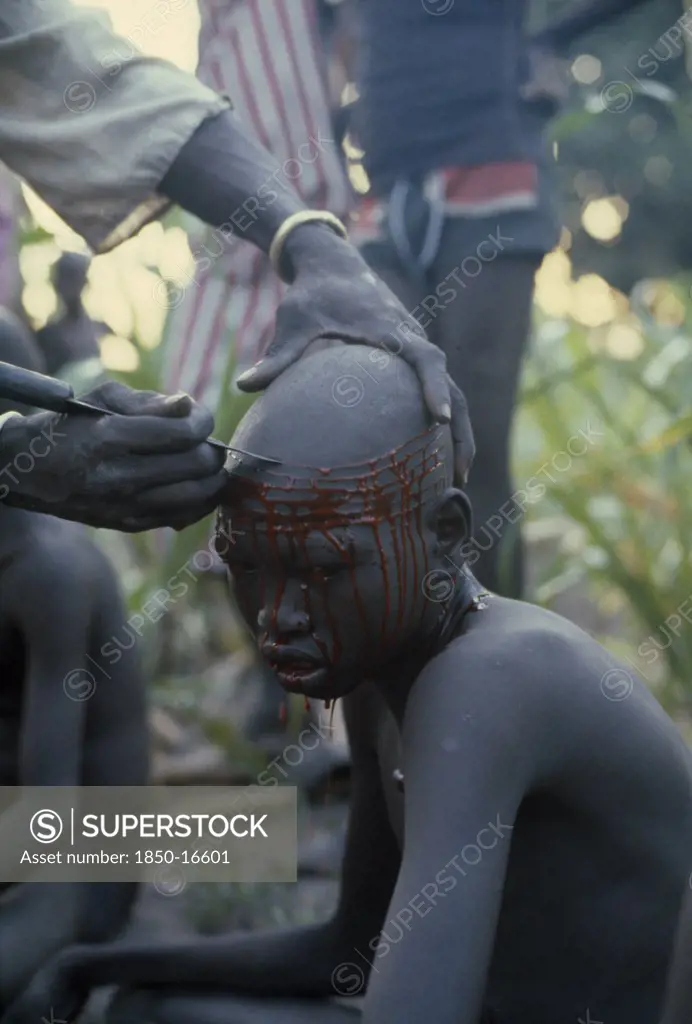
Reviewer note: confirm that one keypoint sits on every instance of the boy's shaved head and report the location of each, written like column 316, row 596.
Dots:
column 337, row 407
column 331, row 550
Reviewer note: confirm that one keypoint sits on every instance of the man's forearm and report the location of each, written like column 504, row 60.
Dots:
column 229, row 181
column 224, row 177
column 66, row 78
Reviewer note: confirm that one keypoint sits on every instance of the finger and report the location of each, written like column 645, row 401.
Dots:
column 177, row 507
column 154, row 434
column 179, row 405
column 142, row 524
column 430, row 364
column 180, row 500
column 462, row 435
column 119, row 398
column 136, row 473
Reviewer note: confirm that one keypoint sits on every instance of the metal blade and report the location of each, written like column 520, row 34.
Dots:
column 239, row 453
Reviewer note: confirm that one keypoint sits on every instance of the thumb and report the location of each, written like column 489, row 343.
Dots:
column 179, row 405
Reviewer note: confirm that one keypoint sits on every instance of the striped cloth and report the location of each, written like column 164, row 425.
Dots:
column 268, row 57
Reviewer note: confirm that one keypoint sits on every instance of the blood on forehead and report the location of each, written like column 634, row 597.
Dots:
column 285, row 507
column 302, row 499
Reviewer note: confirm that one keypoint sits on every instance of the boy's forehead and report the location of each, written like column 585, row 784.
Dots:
column 305, row 499
column 293, row 544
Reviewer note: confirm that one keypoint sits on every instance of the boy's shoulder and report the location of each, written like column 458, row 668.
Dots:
column 521, row 684
column 44, row 553
column 515, row 655
column 523, row 636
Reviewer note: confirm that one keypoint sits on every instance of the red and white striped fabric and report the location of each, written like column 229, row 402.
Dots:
column 267, row 56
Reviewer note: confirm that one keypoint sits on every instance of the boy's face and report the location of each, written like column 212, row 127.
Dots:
column 330, row 605
column 330, row 596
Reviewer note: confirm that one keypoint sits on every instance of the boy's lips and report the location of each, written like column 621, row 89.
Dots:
column 311, row 683
column 298, row 671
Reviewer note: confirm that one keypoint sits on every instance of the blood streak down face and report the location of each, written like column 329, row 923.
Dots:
column 328, row 564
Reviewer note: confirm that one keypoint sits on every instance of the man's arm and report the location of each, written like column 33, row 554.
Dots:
column 462, row 798
column 67, row 80
column 87, row 120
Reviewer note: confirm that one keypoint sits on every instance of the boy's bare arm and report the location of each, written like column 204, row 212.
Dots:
column 468, row 763
column 304, row 961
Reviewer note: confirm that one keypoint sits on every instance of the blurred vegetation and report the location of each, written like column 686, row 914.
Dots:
column 619, row 516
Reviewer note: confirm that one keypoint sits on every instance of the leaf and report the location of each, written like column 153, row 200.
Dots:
column 569, row 124
column 680, row 430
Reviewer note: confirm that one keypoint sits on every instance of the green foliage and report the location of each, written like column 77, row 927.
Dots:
column 629, row 494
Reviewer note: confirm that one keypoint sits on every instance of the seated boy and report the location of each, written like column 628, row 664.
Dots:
column 521, row 821
column 68, row 717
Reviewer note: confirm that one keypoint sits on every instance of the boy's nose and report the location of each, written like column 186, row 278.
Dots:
column 285, row 618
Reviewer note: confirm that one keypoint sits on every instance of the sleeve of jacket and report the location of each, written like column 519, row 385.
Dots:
column 87, row 120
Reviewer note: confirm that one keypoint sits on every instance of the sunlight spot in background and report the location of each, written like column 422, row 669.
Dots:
column 553, row 284
column 590, row 300
column 668, row 310
column 351, row 150
column 593, row 301
column 167, row 30
column 349, row 94
column 586, row 69
column 624, row 341
column 660, row 301
column 120, row 286
column 359, row 178
column 118, row 354
column 603, row 218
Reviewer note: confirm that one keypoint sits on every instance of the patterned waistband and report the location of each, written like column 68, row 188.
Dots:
column 483, row 191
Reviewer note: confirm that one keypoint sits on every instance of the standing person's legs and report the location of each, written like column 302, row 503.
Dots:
column 484, row 330
column 482, row 323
